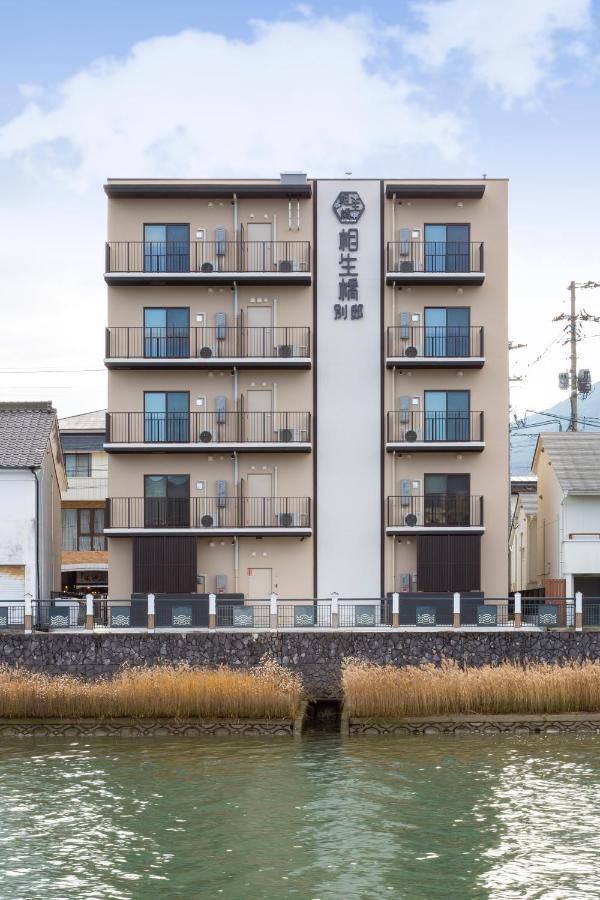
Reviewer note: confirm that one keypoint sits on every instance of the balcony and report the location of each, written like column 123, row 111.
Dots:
column 208, row 432
column 434, row 513
column 208, row 262
column 218, row 347
column 208, row 515
column 434, row 347
column 434, row 432
column 435, row 262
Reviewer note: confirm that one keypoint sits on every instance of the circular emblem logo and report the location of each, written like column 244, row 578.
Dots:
column 348, row 207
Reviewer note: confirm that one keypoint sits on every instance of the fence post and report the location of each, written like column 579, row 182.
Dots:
column 456, row 610
column 395, row 609
column 151, row 612
column 334, row 609
column 212, row 611
column 273, row 611
column 518, row 610
column 28, row 614
column 578, row 611
column 89, row 612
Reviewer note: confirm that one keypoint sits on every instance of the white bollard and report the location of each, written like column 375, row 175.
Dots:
column 456, row 610
column 395, row 609
column 28, row 614
column 212, row 610
column 151, row 612
column 89, row 612
column 273, row 610
column 579, row 611
column 334, row 609
column 518, row 610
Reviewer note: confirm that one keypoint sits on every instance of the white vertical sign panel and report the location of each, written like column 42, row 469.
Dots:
column 348, row 392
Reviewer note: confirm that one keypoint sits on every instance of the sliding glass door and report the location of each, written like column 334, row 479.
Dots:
column 166, row 248
column 166, row 416
column 447, row 416
column 167, row 332
column 166, row 501
column 447, row 248
column 447, row 331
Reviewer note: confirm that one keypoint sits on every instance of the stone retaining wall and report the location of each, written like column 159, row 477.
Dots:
column 316, row 656
column 581, row 723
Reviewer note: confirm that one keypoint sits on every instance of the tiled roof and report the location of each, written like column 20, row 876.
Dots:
column 575, row 458
column 24, row 433
column 90, row 421
column 529, row 502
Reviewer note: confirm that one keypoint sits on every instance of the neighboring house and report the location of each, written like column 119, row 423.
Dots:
column 567, row 465
column 524, row 574
column 32, row 477
column 84, row 557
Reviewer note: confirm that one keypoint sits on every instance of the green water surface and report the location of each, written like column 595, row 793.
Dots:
column 322, row 817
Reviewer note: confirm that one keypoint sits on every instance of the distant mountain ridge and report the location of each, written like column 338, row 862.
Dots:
column 522, row 442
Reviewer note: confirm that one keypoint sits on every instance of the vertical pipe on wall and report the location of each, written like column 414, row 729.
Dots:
column 235, row 216
column 235, row 302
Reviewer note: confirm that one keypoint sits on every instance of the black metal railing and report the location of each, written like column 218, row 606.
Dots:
column 206, row 257
column 434, row 342
column 208, row 342
column 208, row 512
column 409, row 427
column 49, row 614
column 407, row 257
column 285, row 428
column 303, row 615
column 243, row 616
column 435, row 511
column 12, row 616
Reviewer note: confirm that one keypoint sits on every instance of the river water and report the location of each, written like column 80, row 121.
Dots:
column 321, row 817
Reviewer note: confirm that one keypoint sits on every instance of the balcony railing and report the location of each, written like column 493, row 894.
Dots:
column 435, row 511
column 410, row 342
column 207, row 257
column 281, row 428
column 206, row 513
column 408, row 427
column 457, row 257
column 208, row 343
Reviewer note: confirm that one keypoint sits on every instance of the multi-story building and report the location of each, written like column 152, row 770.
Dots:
column 84, row 556
column 299, row 372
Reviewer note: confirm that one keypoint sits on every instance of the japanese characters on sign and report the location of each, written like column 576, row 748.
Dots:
column 348, row 208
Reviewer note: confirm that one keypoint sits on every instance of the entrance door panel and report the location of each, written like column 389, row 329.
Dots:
column 259, row 334
column 260, row 582
column 259, row 247
column 258, row 504
column 258, row 415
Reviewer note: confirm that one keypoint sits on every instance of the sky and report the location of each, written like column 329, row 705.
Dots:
column 430, row 88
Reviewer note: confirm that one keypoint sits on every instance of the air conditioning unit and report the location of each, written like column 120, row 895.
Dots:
column 407, row 265
column 411, row 435
column 288, row 435
column 288, row 351
column 209, row 266
column 286, row 265
column 207, row 351
column 210, row 519
column 206, row 436
column 289, row 519
column 412, row 519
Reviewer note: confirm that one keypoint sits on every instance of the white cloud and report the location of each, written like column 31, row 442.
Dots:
column 307, row 94
column 510, row 45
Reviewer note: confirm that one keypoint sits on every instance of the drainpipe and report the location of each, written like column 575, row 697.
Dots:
column 235, row 302
column 235, row 215
column 34, row 471
column 236, row 548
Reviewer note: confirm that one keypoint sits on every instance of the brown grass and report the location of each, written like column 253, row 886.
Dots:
column 267, row 692
column 392, row 692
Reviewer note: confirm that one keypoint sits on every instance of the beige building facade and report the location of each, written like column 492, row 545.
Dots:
column 308, row 387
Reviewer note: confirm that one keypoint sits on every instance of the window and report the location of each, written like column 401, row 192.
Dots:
column 166, row 416
column 447, row 331
column 83, row 529
column 166, row 501
column 447, row 415
column 167, row 332
column 166, row 248
column 447, row 248
column 78, row 465
column 447, row 500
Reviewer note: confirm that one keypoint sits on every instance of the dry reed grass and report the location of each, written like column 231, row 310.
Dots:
column 170, row 691
column 392, row 692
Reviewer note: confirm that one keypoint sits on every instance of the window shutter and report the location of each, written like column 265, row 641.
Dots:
column 220, row 238
column 220, row 322
column 404, row 324
column 220, row 407
column 221, row 490
column 404, row 408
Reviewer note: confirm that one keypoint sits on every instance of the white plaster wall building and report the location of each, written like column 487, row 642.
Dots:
column 31, row 479
column 568, row 531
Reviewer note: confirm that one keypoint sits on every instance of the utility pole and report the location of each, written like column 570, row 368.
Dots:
column 577, row 383
column 573, row 341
